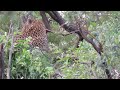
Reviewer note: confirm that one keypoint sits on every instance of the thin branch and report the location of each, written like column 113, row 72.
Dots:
column 10, row 52
column 7, row 38
column 106, row 70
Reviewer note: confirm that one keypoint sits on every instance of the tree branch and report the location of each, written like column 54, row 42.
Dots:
column 73, row 28
column 68, row 27
column 45, row 20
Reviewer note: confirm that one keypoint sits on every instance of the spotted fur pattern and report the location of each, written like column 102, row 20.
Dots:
column 35, row 29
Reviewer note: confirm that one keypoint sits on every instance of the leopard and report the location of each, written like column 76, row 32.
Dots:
column 34, row 28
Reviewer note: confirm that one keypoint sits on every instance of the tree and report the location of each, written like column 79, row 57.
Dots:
column 72, row 28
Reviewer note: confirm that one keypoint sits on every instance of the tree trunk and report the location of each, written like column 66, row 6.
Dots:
column 1, row 62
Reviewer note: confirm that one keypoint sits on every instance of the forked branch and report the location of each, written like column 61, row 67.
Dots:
column 73, row 28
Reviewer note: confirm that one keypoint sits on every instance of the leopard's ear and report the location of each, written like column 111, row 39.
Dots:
column 24, row 19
